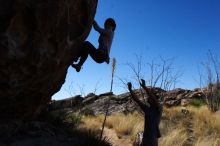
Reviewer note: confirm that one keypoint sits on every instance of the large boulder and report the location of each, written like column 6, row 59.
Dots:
column 34, row 53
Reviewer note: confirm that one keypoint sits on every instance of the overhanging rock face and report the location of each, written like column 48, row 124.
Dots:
column 34, row 54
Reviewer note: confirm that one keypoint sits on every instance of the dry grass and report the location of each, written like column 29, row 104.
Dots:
column 126, row 124
column 206, row 128
column 208, row 141
column 174, row 127
column 174, row 137
column 123, row 124
column 199, row 127
column 92, row 123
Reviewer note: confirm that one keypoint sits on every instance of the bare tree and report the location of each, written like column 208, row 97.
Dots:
column 82, row 89
column 136, row 68
column 70, row 90
column 210, row 82
column 161, row 74
column 96, row 86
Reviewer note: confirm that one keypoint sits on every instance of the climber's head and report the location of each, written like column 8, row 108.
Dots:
column 110, row 22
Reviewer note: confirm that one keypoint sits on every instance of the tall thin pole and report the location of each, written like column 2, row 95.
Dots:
column 107, row 108
column 113, row 72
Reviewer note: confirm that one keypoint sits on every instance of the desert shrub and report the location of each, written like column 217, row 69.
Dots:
column 211, row 80
column 198, row 102
column 73, row 118
column 88, row 112
column 59, row 117
column 213, row 96
column 91, row 139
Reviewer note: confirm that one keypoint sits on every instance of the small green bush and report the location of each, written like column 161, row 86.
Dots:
column 88, row 112
column 62, row 116
column 73, row 118
column 198, row 102
column 57, row 117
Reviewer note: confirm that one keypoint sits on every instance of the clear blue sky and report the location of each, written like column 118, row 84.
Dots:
column 183, row 29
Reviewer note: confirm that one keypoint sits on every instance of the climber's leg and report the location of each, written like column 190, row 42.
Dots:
column 84, row 52
column 98, row 55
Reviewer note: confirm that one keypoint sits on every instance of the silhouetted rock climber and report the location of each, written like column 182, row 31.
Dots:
column 152, row 115
column 101, row 54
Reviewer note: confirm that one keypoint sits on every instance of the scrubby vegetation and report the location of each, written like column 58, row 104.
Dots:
column 198, row 127
column 70, row 122
column 197, row 102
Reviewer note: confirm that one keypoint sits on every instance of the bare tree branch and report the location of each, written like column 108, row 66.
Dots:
column 70, row 90
column 211, row 86
column 96, row 86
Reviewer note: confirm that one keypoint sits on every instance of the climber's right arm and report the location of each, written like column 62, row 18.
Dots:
column 98, row 28
column 135, row 98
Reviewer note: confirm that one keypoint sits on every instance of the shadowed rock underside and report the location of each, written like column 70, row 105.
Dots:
column 34, row 54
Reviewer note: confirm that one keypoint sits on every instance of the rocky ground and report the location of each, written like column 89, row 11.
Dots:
column 52, row 131
column 123, row 102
